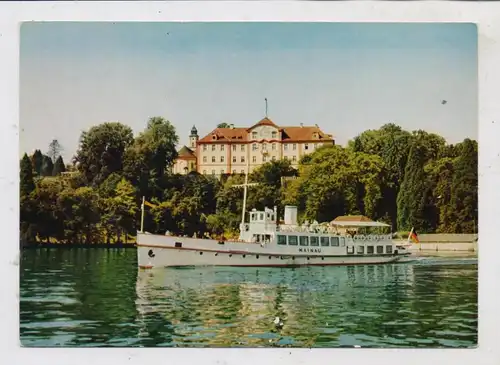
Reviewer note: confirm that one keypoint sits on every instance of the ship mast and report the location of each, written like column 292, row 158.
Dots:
column 245, row 186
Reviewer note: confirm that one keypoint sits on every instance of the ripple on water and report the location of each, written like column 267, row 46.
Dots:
column 104, row 301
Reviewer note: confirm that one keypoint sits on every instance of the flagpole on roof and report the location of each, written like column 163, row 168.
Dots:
column 265, row 99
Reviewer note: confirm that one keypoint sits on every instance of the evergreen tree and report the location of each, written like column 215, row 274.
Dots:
column 412, row 196
column 37, row 161
column 464, row 186
column 27, row 185
column 47, row 166
column 58, row 167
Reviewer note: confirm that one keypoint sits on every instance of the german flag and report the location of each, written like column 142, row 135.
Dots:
column 413, row 236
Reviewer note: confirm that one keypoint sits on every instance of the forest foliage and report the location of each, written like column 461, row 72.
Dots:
column 407, row 179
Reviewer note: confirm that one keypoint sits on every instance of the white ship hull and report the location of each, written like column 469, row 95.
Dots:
column 165, row 251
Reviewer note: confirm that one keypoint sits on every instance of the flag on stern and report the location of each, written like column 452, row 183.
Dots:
column 413, row 236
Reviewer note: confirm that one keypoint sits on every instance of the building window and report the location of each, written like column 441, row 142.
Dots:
column 254, row 147
column 242, row 158
column 234, row 171
column 294, row 158
column 264, row 158
column 304, row 241
column 285, row 146
column 213, row 172
column 286, row 157
column 273, row 158
column 234, row 158
column 222, row 172
column 242, row 172
column 204, row 158
column 221, row 158
column 292, row 240
column 295, row 146
column 234, row 147
column 335, row 241
column 242, row 148
column 213, row 159
column 325, row 241
column 254, row 159
column 222, row 147
column 281, row 240
column 254, row 135
column 273, row 146
column 264, row 147
column 273, row 134
column 314, row 241
column 204, row 147
column 306, row 146
column 213, row 147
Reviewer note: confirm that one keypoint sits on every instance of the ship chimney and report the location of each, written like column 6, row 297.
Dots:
column 301, row 125
column 231, row 126
column 290, row 215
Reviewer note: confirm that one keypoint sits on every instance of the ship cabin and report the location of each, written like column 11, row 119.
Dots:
column 263, row 228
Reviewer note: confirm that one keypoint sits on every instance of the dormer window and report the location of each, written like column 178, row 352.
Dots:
column 315, row 135
column 214, row 136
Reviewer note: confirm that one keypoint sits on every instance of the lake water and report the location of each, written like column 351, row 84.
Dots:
column 97, row 297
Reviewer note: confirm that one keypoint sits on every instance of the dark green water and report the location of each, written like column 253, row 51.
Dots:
column 97, row 297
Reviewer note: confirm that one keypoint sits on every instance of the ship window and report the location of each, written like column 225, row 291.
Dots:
column 361, row 250
column 256, row 256
column 388, row 249
column 178, row 244
column 325, row 241
column 261, row 216
column 314, row 241
column 244, row 256
column 281, row 240
column 201, row 253
column 304, row 241
column 380, row 249
column 292, row 240
column 350, row 250
column 335, row 241
column 369, row 249
column 342, row 241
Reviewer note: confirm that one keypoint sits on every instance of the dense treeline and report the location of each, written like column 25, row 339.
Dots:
column 403, row 178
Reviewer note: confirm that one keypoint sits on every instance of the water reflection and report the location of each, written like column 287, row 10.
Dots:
column 94, row 297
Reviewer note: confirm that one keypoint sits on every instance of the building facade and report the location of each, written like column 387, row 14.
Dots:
column 229, row 150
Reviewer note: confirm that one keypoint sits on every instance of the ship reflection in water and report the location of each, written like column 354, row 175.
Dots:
column 429, row 304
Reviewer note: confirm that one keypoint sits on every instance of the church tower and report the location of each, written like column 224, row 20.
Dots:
column 193, row 138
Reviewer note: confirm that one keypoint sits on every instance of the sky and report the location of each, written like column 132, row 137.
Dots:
column 345, row 77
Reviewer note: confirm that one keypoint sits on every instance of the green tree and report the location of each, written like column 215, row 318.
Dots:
column 223, row 125
column 27, row 184
column 47, row 166
column 58, row 167
column 37, row 161
column 150, row 158
column 464, row 186
column 412, row 195
column 101, row 151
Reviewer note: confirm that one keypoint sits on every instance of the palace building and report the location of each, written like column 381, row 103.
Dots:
column 229, row 150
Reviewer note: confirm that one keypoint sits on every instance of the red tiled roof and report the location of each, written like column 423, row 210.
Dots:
column 265, row 121
column 304, row 134
column 290, row 134
column 186, row 153
column 225, row 135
